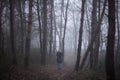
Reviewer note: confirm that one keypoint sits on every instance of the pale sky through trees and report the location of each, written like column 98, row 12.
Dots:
column 73, row 10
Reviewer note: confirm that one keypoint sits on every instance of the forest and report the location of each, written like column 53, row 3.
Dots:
column 59, row 39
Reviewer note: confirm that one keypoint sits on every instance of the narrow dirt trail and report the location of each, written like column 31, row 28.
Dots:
column 40, row 73
column 48, row 72
column 52, row 73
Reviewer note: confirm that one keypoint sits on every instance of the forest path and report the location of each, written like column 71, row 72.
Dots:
column 52, row 73
column 48, row 72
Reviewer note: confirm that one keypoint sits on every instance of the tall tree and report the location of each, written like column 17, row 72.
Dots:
column 44, row 25
column 94, row 37
column 110, row 72
column 51, row 29
column 80, row 35
column 13, row 50
column 117, row 54
column 22, row 26
column 55, row 32
column 28, row 36
column 93, row 26
column 1, row 30
column 118, row 31
column 39, row 21
column 61, row 24
column 97, row 42
column 65, row 25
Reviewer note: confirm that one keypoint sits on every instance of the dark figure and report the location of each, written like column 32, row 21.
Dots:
column 59, row 60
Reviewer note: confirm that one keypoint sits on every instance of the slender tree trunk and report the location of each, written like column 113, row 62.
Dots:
column 13, row 50
column 118, row 31
column 55, row 31
column 110, row 72
column 117, row 54
column 63, row 39
column 93, row 26
column 22, row 27
column 1, row 34
column 39, row 21
column 61, row 25
column 94, row 37
column 80, row 35
column 97, row 42
column 28, row 37
column 51, row 30
column 44, row 45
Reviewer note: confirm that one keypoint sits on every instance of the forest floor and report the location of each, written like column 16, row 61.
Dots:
column 48, row 72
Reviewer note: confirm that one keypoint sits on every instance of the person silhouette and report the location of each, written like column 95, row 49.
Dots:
column 59, row 60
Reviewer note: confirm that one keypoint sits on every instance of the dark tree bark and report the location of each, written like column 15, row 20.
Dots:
column 22, row 26
column 39, row 21
column 61, row 25
column 110, row 72
column 51, row 30
column 94, row 37
column 80, row 35
column 55, row 33
column 97, row 42
column 65, row 25
column 28, row 36
column 93, row 26
column 44, row 45
column 13, row 50
column 1, row 30
column 2, row 52
column 118, row 31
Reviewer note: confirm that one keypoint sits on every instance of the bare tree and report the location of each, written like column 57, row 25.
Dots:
column 61, row 24
column 65, row 25
column 51, row 29
column 28, row 36
column 1, row 30
column 22, row 26
column 110, row 71
column 13, row 50
column 40, row 25
column 44, row 25
column 94, row 37
column 93, row 26
column 80, row 35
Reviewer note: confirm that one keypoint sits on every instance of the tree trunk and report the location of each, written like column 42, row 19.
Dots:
column 55, row 31
column 63, row 39
column 13, row 50
column 61, row 25
column 117, row 52
column 110, row 72
column 94, row 37
column 44, row 45
column 118, row 31
column 51, row 31
column 97, row 42
column 28, row 37
column 22, row 27
column 80, row 35
column 1, row 33
column 93, row 26
column 39, row 21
